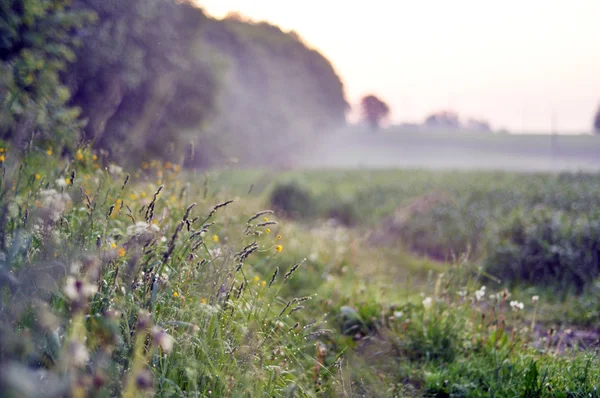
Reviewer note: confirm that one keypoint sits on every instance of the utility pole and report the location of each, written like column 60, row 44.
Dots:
column 553, row 148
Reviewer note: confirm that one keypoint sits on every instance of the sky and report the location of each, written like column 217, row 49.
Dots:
column 524, row 65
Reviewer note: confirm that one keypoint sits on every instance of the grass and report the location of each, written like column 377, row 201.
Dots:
column 154, row 283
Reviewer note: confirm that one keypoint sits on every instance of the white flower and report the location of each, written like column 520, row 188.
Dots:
column 114, row 169
column 427, row 303
column 479, row 294
column 137, row 229
column 462, row 293
column 535, row 298
column 76, row 289
column 78, row 354
column 398, row 314
column 516, row 306
column 61, row 183
column 162, row 339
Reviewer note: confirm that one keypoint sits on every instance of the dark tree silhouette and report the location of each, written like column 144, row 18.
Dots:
column 373, row 110
column 597, row 121
column 446, row 119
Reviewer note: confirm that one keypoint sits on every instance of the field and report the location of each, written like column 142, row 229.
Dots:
column 444, row 149
column 361, row 283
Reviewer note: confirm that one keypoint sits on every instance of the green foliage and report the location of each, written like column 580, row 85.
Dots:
column 36, row 44
column 279, row 94
column 292, row 200
column 140, row 78
column 546, row 247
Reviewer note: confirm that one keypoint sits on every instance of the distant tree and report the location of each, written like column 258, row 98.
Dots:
column 597, row 121
column 478, row 125
column 374, row 110
column 446, row 119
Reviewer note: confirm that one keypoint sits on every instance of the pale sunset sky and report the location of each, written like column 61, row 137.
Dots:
column 512, row 62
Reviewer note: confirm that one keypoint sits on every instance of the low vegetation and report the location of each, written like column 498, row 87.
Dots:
column 117, row 283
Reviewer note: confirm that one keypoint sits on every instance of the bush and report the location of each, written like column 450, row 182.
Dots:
column 546, row 247
column 292, row 200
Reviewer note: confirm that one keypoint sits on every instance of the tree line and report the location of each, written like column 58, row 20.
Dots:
column 159, row 79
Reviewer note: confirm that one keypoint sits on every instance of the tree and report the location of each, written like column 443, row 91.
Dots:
column 374, row 110
column 36, row 43
column 597, row 121
column 445, row 119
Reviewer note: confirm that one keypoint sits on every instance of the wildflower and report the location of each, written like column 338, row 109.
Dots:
column 535, row 299
column 37, row 176
column 263, row 283
column 61, row 183
column 2, row 158
column 113, row 245
column 203, row 301
column 256, row 278
column 215, row 238
column 94, row 157
column 266, row 219
column 516, row 306
column 479, row 294
column 114, row 169
column 2, row 150
column 427, row 302
column 79, row 155
column 49, row 151
column 121, row 251
column 68, row 181
column 268, row 230
column 76, row 289
column 173, row 199
column 398, row 314
column 175, row 294
column 168, row 165
column 279, row 248
column 144, row 165
column 144, row 380
column 162, row 339
column 78, row 354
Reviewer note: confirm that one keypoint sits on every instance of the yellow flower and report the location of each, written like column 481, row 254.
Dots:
column 168, row 165
column 37, row 176
column 263, row 283
column 203, row 301
column 154, row 221
column 121, row 251
column 215, row 238
column 175, row 294
column 113, row 245
column 173, row 199
column 143, row 194
column 68, row 181
column 2, row 150
column 278, row 237
column 266, row 219
column 279, row 248
column 256, row 278
column 133, row 196
column 268, row 230
column 79, row 155
column 49, row 151
column 94, row 157
column 2, row 158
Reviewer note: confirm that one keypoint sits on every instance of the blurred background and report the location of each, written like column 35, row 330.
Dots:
column 465, row 84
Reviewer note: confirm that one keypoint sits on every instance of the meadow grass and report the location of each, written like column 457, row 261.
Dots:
column 150, row 282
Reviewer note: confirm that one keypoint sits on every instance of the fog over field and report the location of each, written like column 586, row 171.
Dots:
column 444, row 149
